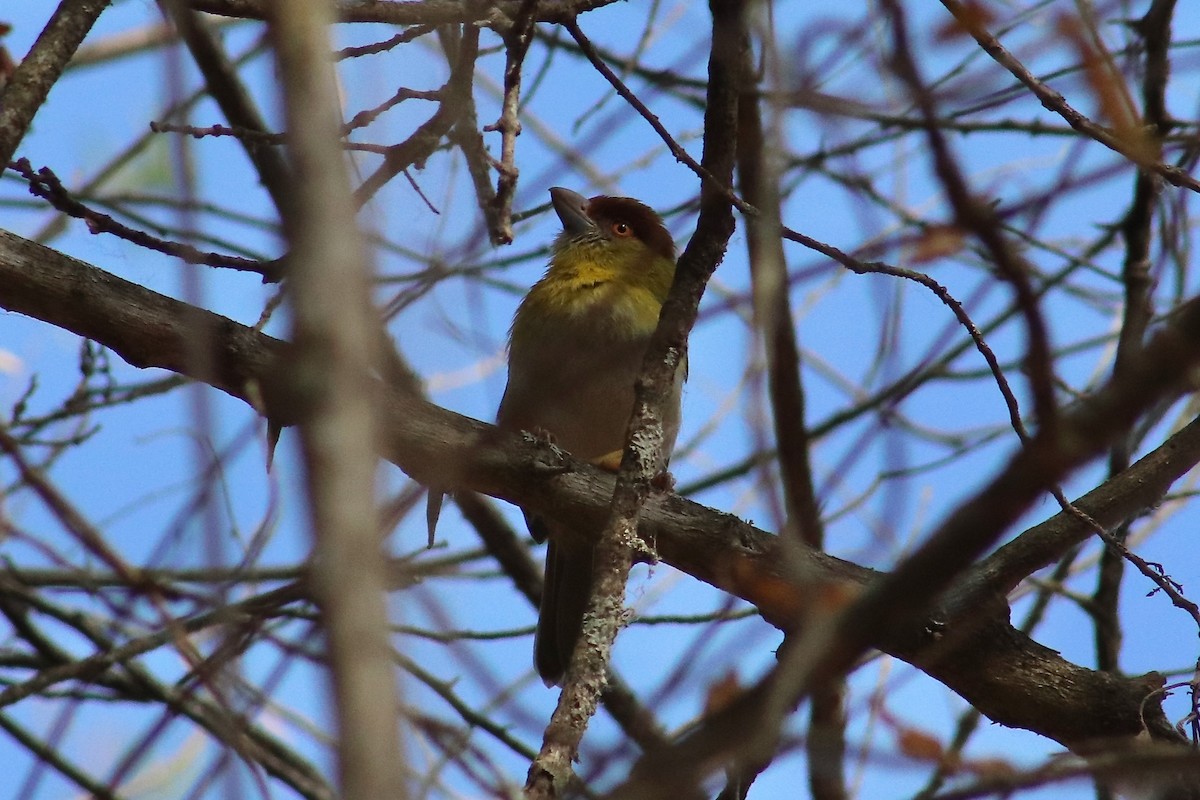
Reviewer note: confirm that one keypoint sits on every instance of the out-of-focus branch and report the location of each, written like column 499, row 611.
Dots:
column 105, row 172
column 332, row 375
column 758, row 177
column 240, row 734
column 974, row 215
column 1010, row 678
column 108, row 657
column 497, row 15
column 891, row 608
column 1058, row 104
column 226, row 89
column 758, row 181
column 1115, row 501
column 1137, row 231
column 50, row 754
column 502, row 543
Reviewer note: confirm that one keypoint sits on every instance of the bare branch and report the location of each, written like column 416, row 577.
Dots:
column 25, row 91
column 333, row 376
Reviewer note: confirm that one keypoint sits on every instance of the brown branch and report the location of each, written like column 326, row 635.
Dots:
column 512, row 555
column 422, row 143
column 906, row 383
column 238, row 733
column 681, row 155
column 758, row 181
column 1056, row 103
column 1010, row 678
column 52, row 755
column 497, row 15
column 974, row 215
column 415, row 32
column 334, row 362
column 67, row 515
column 516, row 45
column 889, row 612
column 469, row 140
column 29, row 85
column 984, row 223
column 83, row 668
column 45, row 184
column 1137, row 230
column 1150, row 768
column 106, row 172
column 226, row 89
column 642, row 459
column 261, row 136
column 466, row 135
column 1113, row 503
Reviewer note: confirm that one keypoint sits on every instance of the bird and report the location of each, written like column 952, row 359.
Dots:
column 575, row 351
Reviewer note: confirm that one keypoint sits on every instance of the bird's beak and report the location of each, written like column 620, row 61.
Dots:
column 571, row 208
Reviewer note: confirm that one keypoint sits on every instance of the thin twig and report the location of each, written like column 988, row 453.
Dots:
column 45, row 184
column 1058, row 104
column 516, row 45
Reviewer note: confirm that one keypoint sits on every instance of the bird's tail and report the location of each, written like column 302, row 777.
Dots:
column 564, row 598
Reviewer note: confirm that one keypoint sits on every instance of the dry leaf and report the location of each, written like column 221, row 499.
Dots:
column 920, row 745
column 973, row 16
column 722, row 693
column 936, row 242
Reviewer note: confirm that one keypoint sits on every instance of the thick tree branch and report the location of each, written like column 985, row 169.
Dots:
column 1126, row 494
column 498, row 15
column 1012, row 679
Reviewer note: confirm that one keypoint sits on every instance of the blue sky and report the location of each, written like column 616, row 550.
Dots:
column 135, row 477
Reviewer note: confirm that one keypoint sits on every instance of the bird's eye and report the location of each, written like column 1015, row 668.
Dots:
column 622, row 229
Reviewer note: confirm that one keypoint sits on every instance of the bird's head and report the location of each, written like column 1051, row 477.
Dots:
column 615, row 235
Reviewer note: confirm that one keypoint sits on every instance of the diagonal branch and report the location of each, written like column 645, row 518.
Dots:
column 641, row 461
column 226, row 88
column 1012, row 679
column 1055, row 102
column 1137, row 229
column 30, row 83
column 421, row 144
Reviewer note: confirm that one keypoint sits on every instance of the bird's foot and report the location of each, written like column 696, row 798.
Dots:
column 542, row 435
column 551, row 460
